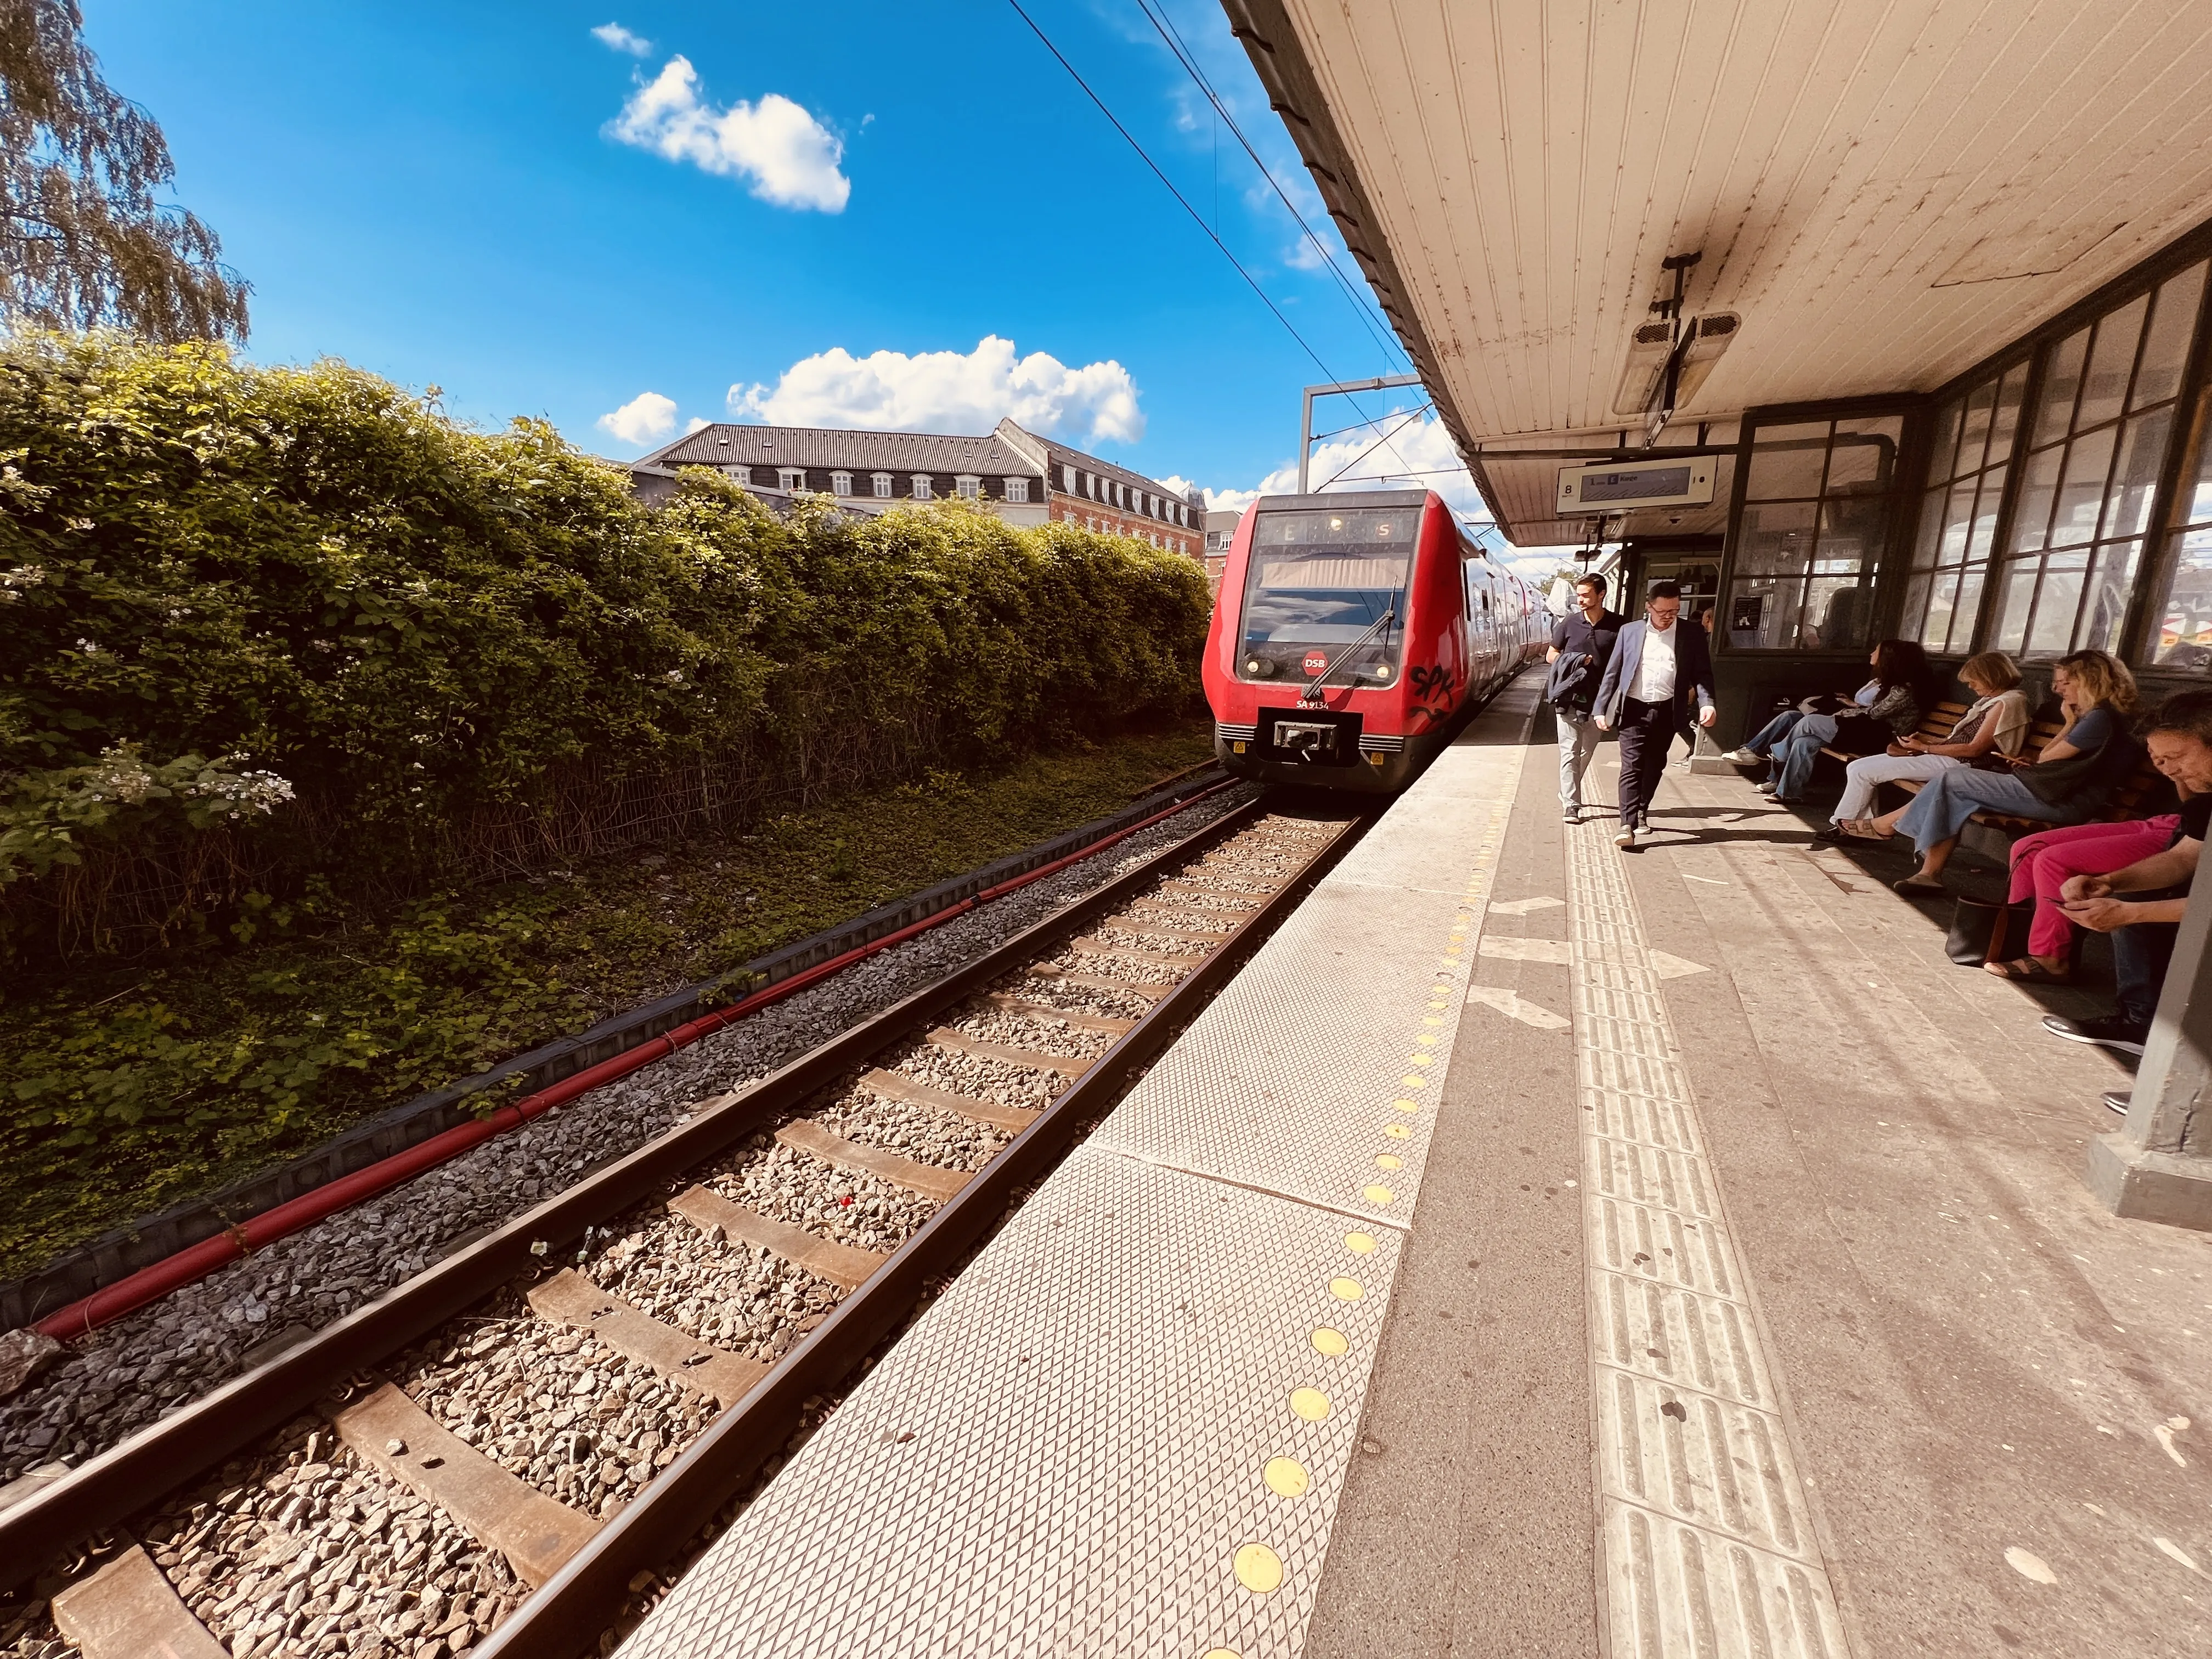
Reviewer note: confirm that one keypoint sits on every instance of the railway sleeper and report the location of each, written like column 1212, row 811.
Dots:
column 930, row 1180
column 1205, row 892
column 390, row 1433
column 1092, row 945
column 1154, row 930
column 960, row 1042
column 129, row 1610
column 1027, row 1009
column 846, row 1265
column 569, row 1299
column 1097, row 981
column 895, row 1085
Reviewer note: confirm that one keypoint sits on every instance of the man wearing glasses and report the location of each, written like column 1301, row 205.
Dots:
column 1657, row 668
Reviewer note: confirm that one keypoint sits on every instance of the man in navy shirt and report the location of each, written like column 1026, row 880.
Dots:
column 1581, row 646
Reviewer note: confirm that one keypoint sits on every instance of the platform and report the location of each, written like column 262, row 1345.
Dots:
column 1539, row 1251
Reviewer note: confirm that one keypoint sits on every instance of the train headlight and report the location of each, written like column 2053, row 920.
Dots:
column 1382, row 674
column 1257, row 668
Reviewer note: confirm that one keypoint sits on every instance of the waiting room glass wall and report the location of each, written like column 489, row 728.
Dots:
column 2053, row 512
column 1812, row 526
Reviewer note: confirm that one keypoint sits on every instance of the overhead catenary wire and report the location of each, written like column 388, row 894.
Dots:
column 1377, row 443
column 1196, row 217
column 1165, row 27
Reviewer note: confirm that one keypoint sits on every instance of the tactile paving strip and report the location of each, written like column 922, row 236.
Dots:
column 1707, row 1549
column 1116, row 1433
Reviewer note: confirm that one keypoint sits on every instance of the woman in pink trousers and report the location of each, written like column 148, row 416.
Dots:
column 2040, row 865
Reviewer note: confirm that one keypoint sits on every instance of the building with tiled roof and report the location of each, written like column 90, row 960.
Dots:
column 862, row 470
column 1106, row 497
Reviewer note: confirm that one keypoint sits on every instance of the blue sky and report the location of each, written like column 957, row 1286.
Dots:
column 631, row 218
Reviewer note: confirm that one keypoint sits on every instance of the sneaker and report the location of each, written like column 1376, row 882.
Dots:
column 1744, row 757
column 1570, row 815
column 2118, row 1100
column 1627, row 839
column 2108, row 1031
column 1768, row 786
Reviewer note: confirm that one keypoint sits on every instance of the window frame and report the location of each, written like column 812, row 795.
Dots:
column 841, row 483
column 880, row 485
column 923, row 486
column 1015, row 489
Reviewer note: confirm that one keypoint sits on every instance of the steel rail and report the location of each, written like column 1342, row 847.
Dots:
column 134, row 1475
column 565, row 1617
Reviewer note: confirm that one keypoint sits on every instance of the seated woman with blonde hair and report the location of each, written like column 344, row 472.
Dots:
column 1996, row 721
column 2071, row 779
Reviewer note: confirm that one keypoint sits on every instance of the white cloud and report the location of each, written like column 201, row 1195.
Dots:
column 616, row 38
column 787, row 157
column 698, row 422
column 949, row 391
column 645, row 419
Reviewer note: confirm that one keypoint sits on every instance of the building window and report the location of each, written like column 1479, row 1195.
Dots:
column 2104, row 413
column 790, row 478
column 1817, row 502
column 1966, row 468
column 882, row 481
column 1067, row 479
column 967, row 487
column 1018, row 490
column 841, row 483
column 923, row 490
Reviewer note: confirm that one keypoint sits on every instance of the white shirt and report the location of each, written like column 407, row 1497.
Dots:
column 1655, row 669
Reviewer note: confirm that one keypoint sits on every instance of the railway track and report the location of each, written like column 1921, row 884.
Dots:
column 505, row 1454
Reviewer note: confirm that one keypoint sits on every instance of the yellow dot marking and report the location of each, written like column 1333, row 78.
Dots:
column 1311, row 1404
column 1440, row 990
column 1451, row 950
column 1359, row 1243
column 1346, row 1290
column 1259, row 1569
column 1378, row 1194
column 1430, row 1020
column 1331, row 1342
column 1286, row 1477
column 1427, row 1039
column 1389, row 1162
column 1397, row 1131
column 1412, row 1082
column 1223, row 1653
column 1419, row 1059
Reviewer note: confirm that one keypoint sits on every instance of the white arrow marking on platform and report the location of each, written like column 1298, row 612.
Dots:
column 1527, row 949
column 1710, row 881
column 1670, row 967
column 1513, row 1007
column 1523, row 907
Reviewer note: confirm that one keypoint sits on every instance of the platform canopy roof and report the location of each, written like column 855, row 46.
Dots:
column 1885, row 190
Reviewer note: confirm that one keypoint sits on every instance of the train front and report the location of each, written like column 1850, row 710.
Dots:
column 1307, row 659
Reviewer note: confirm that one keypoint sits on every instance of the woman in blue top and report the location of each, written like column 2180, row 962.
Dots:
column 1880, row 712
column 2071, row 779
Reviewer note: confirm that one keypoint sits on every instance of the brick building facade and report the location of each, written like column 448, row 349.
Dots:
column 1089, row 491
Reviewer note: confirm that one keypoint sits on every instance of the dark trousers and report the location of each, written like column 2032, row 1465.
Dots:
column 2140, row 955
column 1647, row 731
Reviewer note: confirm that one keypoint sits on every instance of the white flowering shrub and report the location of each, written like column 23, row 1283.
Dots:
column 50, row 816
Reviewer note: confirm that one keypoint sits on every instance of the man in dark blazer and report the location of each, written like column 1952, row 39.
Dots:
column 1658, row 669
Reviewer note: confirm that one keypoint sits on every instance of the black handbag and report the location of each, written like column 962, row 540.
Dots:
column 1982, row 931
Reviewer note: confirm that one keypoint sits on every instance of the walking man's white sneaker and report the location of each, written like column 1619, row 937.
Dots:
column 1627, row 839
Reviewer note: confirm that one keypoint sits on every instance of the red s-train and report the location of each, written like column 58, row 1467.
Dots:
column 1352, row 634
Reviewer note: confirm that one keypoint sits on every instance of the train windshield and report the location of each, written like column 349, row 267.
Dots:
column 1317, row 582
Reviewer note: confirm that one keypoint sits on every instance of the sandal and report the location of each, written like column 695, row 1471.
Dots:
column 1913, row 887
column 1866, row 829
column 2026, row 970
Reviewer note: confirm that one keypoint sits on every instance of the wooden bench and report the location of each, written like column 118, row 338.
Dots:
column 1936, row 727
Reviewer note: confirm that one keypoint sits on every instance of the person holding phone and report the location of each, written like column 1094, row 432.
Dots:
column 1997, row 719
column 1880, row 712
column 2072, row 777
column 2141, row 906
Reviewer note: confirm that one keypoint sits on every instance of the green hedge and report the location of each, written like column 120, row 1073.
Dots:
column 300, row 599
